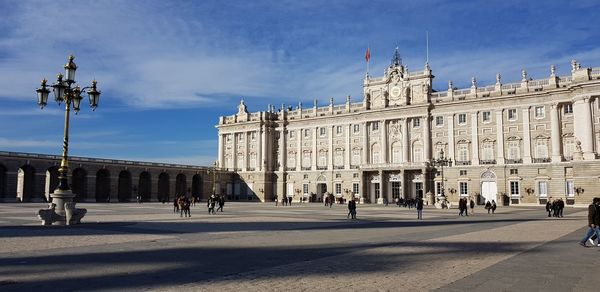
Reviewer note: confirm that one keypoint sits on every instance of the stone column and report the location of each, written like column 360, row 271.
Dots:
column 220, row 151
column 402, row 185
column 526, row 136
column 582, row 123
column 475, row 139
column 330, row 157
column 451, row 142
column 500, row 137
column 555, row 135
column 384, row 148
column 246, row 155
column 234, row 154
column 299, row 156
column 382, row 188
column 405, row 141
column 314, row 156
column 365, row 157
column 426, row 139
column 348, row 152
column 282, row 150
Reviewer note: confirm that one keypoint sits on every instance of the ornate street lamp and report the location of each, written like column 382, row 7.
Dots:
column 62, row 210
column 441, row 162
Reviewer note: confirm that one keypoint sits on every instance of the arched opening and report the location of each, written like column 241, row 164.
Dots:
column 163, row 187
column 26, row 184
column 2, row 181
column 51, row 181
column 180, row 185
column 79, row 184
column 103, row 186
column 197, row 185
column 124, row 188
column 145, row 186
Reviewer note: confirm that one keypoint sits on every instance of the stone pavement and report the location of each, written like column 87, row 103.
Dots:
column 305, row 247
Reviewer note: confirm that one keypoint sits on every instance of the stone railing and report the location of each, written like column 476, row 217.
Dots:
column 542, row 160
column 514, row 161
column 487, row 161
column 100, row 160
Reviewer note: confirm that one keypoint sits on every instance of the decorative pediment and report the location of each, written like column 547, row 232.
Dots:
column 463, row 141
column 513, row 138
column 542, row 137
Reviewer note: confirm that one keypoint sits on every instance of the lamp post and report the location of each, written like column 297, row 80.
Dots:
column 62, row 210
column 441, row 162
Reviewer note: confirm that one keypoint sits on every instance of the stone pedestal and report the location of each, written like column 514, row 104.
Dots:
column 62, row 210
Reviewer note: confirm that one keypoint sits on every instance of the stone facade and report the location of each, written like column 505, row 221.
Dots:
column 517, row 143
column 26, row 177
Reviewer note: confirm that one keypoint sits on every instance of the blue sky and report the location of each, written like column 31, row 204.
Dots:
column 168, row 69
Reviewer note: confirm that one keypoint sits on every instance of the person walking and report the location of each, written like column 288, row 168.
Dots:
column 493, row 206
column 461, row 208
column 211, row 204
column 276, row 201
column 352, row 209
column 488, row 206
column 472, row 205
column 593, row 222
column 549, row 208
column 221, row 200
column 419, row 208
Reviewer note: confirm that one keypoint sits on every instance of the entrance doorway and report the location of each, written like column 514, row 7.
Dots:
column 321, row 190
column 419, row 189
column 489, row 189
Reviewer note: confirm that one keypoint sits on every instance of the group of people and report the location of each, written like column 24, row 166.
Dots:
column 213, row 201
column 555, row 208
column 464, row 204
column 410, row 203
column 182, row 204
column 284, row 201
column 491, row 206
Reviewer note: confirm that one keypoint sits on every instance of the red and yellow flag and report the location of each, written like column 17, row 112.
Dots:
column 368, row 54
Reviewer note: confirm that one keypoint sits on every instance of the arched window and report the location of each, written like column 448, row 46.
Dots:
column 396, row 152
column 375, row 153
column 339, row 157
column 240, row 160
column 306, row 159
column 568, row 147
column 541, row 148
column 417, row 151
column 488, row 151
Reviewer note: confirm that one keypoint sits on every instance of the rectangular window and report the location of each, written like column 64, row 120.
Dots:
column 439, row 121
column 305, row 189
column 568, row 108
column 487, row 116
column 570, row 188
column 355, row 175
column 514, row 171
column 462, row 119
column 395, row 189
column 375, row 126
column 338, row 175
column 464, row 188
column 416, row 122
column 438, row 188
column 542, row 188
column 292, row 134
column 377, row 190
column 338, row 189
column 514, row 189
column 306, row 133
column 355, row 188
column 322, row 132
column 356, row 128
column 462, row 172
column 539, row 112
column 512, row 114
column 338, row 130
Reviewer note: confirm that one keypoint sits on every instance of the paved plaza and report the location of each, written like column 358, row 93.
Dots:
column 304, row 247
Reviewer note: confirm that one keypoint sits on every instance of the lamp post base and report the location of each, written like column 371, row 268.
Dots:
column 62, row 210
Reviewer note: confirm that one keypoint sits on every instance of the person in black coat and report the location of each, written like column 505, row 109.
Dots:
column 593, row 221
column 352, row 209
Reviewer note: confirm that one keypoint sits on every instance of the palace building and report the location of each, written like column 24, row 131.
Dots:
column 517, row 143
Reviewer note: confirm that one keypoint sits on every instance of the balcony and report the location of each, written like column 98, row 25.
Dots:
column 487, row 161
column 338, row 167
column 465, row 162
column 542, row 160
column 290, row 168
column 514, row 161
column 305, row 167
column 322, row 167
column 251, row 169
column 353, row 166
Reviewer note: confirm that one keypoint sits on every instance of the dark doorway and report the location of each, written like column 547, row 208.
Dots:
column 181, row 185
column 124, row 188
column 163, row 187
column 26, row 184
column 79, row 184
column 3, row 193
column 197, row 185
column 145, row 186
column 103, row 186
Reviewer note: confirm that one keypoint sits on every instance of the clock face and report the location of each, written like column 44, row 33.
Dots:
column 395, row 92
